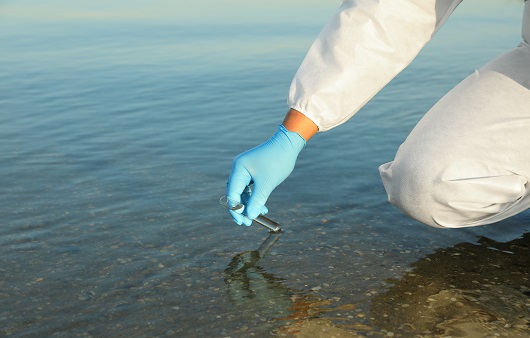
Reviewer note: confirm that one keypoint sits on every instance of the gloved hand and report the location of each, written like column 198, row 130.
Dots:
column 266, row 165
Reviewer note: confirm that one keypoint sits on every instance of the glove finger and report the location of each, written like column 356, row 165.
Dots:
column 240, row 218
column 258, row 198
column 237, row 182
column 245, row 198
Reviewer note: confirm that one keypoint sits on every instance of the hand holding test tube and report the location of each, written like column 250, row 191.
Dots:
column 263, row 220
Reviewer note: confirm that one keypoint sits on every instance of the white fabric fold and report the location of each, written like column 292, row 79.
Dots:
column 364, row 46
column 467, row 162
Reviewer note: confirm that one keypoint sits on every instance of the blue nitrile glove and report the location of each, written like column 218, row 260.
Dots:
column 266, row 165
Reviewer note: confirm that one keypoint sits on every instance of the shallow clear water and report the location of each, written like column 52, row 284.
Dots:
column 119, row 123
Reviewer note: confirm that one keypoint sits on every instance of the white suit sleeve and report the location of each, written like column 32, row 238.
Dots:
column 364, row 46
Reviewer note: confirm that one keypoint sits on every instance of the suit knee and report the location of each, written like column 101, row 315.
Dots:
column 443, row 199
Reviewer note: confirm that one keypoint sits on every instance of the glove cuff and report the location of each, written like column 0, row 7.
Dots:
column 296, row 140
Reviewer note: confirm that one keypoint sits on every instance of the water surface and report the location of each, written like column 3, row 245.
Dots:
column 119, row 122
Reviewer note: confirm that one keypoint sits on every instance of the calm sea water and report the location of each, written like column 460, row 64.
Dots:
column 118, row 125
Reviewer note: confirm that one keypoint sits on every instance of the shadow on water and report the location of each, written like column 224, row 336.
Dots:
column 468, row 290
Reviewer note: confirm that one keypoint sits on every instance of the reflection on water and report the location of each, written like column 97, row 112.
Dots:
column 468, row 290
column 250, row 285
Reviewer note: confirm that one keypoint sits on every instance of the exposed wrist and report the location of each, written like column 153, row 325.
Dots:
column 297, row 122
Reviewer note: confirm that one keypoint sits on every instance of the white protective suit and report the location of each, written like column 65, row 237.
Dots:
column 467, row 162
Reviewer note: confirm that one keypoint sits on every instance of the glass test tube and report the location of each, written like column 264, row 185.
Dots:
column 261, row 219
